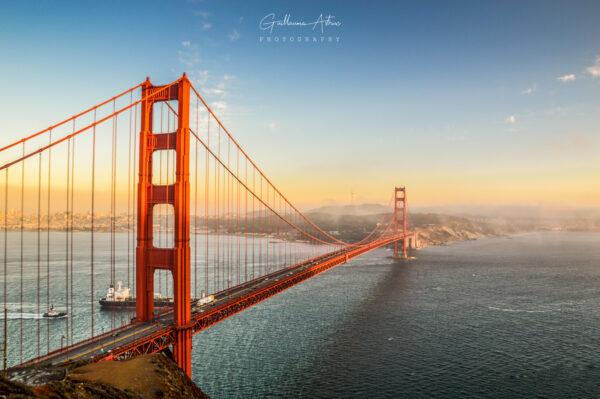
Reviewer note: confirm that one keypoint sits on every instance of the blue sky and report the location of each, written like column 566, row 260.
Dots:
column 460, row 101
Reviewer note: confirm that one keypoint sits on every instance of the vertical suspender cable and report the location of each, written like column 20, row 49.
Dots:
column 266, row 229
column 21, row 270
column 39, row 212
column 160, row 182
column 279, row 238
column 246, row 223
column 72, row 212
column 260, row 229
column 5, row 257
column 168, row 210
column 113, row 210
column 228, row 214
column 129, row 194
column 216, row 228
column 223, row 186
column 284, row 229
column 48, row 245
column 253, row 218
column 224, row 245
column 133, row 188
column 196, row 211
column 67, row 241
column 220, row 219
column 172, row 235
column 206, row 198
column 237, row 228
column 92, row 227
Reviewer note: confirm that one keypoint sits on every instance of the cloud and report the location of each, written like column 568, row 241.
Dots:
column 235, row 35
column 221, row 109
column 218, row 92
column 555, row 110
column 189, row 59
column 206, row 26
column 218, row 106
column 198, row 77
column 189, row 55
column 566, row 78
column 457, row 138
column 528, row 91
column 201, row 13
column 594, row 70
column 570, row 141
column 511, row 119
column 213, row 88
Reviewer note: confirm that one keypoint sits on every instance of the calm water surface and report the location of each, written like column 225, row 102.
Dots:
column 503, row 317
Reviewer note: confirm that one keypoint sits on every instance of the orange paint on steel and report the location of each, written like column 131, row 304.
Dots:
column 404, row 207
column 176, row 259
column 144, row 278
column 182, row 349
column 400, row 198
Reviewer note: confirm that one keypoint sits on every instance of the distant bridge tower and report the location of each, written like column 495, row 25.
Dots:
column 400, row 212
column 177, row 194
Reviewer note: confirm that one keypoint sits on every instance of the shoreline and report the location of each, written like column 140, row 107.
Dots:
column 510, row 236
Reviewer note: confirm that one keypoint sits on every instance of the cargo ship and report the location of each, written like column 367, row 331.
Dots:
column 121, row 299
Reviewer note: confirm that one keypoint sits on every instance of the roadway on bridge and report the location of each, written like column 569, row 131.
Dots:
column 106, row 343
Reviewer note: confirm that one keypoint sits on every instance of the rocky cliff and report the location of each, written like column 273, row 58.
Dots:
column 148, row 376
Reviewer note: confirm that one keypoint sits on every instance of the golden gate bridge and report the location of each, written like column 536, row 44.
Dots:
column 201, row 218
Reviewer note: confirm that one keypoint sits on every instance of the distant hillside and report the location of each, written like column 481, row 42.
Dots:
column 434, row 229
column 352, row 210
column 352, row 223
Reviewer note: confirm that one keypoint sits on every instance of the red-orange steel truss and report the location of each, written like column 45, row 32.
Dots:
column 176, row 259
column 165, row 337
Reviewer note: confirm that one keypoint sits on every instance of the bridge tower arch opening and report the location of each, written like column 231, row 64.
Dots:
column 176, row 259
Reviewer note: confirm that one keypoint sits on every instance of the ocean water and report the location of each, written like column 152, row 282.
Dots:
column 30, row 334
column 504, row 317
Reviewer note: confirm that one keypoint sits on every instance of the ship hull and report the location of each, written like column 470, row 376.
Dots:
column 58, row 315
column 130, row 304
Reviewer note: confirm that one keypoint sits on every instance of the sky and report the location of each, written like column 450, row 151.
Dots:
column 464, row 103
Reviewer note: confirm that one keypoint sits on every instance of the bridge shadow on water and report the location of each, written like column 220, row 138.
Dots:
column 339, row 361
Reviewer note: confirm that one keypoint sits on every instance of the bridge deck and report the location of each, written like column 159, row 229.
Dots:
column 149, row 337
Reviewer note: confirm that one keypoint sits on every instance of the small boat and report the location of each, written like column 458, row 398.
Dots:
column 121, row 299
column 54, row 314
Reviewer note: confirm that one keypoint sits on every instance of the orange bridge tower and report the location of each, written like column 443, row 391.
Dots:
column 400, row 219
column 177, row 194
